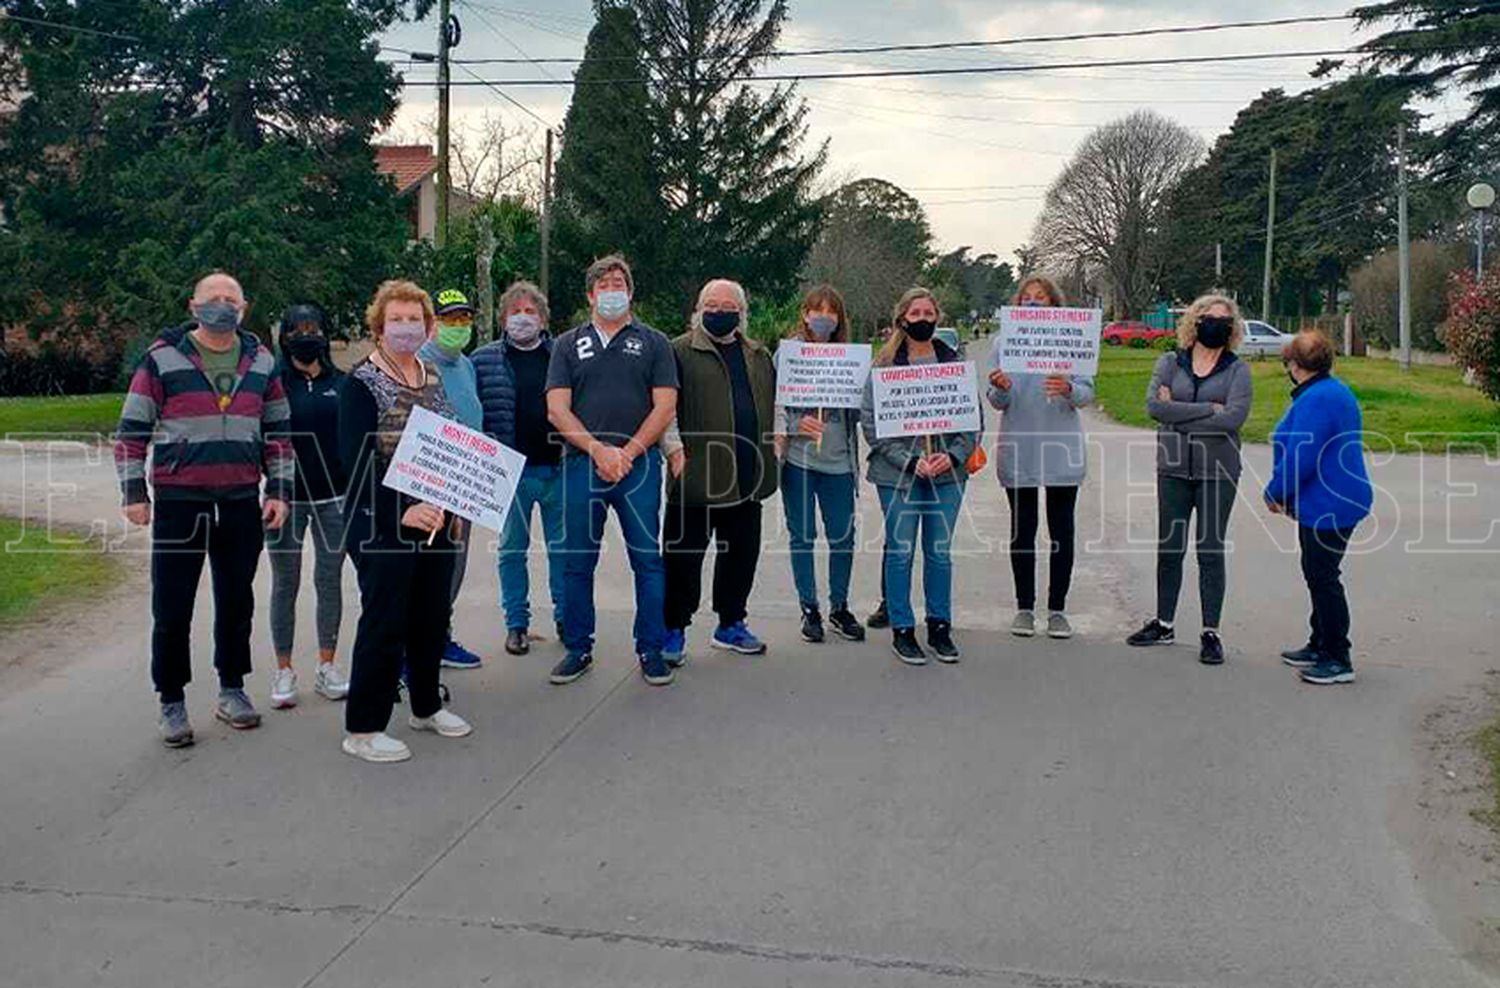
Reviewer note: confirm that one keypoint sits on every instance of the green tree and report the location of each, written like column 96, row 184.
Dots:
column 873, row 244
column 164, row 138
column 967, row 284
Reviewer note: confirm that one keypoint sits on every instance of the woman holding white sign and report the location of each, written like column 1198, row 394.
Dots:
column 401, row 547
column 1039, row 447
column 819, row 450
column 919, row 477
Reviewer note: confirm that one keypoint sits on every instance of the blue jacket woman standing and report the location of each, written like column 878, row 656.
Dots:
column 1319, row 480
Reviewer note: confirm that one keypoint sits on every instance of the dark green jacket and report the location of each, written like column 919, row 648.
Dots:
column 705, row 421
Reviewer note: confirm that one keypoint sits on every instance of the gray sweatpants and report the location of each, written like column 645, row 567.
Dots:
column 1177, row 501
column 325, row 519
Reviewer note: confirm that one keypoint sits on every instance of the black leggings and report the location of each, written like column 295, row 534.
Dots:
column 1062, row 503
column 1177, row 501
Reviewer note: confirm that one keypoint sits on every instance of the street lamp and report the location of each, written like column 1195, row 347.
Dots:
column 1481, row 197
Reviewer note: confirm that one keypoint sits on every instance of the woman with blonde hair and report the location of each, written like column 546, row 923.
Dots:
column 1200, row 397
column 920, row 481
column 403, row 548
column 1039, row 446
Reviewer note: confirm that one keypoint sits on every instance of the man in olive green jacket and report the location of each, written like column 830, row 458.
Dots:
column 722, row 466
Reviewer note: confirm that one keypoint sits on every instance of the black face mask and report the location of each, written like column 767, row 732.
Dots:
column 721, row 325
column 306, row 348
column 921, row 330
column 1214, row 331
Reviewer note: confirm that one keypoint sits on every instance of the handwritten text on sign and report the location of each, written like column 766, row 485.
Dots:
column 1049, row 341
column 821, row 375
column 455, row 468
column 925, row 398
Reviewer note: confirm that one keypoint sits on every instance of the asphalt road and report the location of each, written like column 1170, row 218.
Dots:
column 1044, row 814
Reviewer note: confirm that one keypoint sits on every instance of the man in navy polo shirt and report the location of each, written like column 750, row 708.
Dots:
column 611, row 392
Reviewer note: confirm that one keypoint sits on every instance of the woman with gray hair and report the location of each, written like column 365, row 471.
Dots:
column 723, row 471
column 1200, row 397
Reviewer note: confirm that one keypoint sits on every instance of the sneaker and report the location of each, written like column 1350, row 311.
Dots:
column 176, row 732
column 940, row 640
column 738, row 638
column 517, row 642
column 1023, row 625
column 329, row 683
column 571, row 668
column 674, row 647
column 455, row 656
column 449, row 725
column 1301, row 658
column 654, row 670
column 904, row 644
column 1153, row 632
column 236, row 710
column 881, row 618
column 846, row 625
column 1329, row 672
column 1211, row 649
column 812, row 624
column 379, row 748
column 284, row 689
column 1058, row 625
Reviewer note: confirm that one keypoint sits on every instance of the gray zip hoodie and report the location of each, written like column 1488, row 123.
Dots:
column 1195, row 441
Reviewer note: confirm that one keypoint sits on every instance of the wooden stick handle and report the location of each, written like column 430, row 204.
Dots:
column 820, row 434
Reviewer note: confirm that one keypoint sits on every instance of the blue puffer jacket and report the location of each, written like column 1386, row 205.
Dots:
column 1318, row 457
column 497, row 388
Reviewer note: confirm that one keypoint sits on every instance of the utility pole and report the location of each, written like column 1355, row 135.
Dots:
column 445, row 184
column 544, row 266
column 1218, row 264
column 1405, row 279
column 1265, row 292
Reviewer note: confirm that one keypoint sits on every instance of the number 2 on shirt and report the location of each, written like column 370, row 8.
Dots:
column 585, row 348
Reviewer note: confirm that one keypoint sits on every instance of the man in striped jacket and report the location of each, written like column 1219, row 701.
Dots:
column 205, row 395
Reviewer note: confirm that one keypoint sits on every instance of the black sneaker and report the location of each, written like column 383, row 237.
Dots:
column 1328, row 672
column 940, row 640
column 1153, row 632
column 516, row 641
column 654, row 670
column 881, row 618
column 904, row 644
column 1301, row 658
column 1210, row 649
column 812, row 624
column 571, row 668
column 846, row 625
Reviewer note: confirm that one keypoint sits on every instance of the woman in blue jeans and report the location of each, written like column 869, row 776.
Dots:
column 819, row 450
column 920, row 481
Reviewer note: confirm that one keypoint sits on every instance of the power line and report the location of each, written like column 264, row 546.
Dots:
column 57, row 26
column 961, row 45
column 510, row 99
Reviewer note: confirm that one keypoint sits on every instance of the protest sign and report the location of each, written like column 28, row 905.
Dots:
column 821, row 375
column 454, row 467
column 1038, row 340
column 925, row 398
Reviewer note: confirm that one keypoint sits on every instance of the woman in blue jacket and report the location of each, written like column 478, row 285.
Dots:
column 1319, row 479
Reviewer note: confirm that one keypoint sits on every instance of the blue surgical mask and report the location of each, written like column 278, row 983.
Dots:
column 1033, row 303
column 218, row 317
column 612, row 304
column 822, row 327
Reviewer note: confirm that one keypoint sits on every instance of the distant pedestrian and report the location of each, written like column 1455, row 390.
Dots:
column 1039, row 448
column 1319, row 480
column 312, row 387
column 206, row 401
column 1200, row 397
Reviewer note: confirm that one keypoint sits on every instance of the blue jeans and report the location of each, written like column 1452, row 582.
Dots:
column 636, row 499
column 933, row 507
column 540, row 486
column 806, row 493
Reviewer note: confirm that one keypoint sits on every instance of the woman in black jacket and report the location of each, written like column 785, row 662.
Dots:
column 403, row 549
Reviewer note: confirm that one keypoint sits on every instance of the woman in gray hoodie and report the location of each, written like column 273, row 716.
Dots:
column 1200, row 397
column 1039, row 446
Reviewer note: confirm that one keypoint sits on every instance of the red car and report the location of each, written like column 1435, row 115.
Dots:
column 1122, row 332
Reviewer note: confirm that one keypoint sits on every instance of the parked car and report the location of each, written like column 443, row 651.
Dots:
column 1262, row 339
column 1125, row 331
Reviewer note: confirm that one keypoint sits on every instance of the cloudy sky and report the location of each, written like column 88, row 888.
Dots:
column 978, row 150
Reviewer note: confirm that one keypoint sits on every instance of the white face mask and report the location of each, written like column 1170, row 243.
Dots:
column 524, row 330
column 612, row 304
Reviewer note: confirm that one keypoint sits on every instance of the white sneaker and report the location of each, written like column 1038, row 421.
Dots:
column 330, row 683
column 376, row 748
column 449, row 725
column 284, row 689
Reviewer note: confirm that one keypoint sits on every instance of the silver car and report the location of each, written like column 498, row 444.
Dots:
column 1262, row 339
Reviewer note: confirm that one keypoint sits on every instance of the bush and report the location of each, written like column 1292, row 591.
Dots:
column 1166, row 344
column 1138, row 343
column 51, row 369
column 1375, row 288
column 1472, row 332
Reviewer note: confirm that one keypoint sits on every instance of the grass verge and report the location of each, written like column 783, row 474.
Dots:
column 36, row 417
column 39, row 572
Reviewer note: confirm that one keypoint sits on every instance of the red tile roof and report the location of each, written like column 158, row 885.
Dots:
column 407, row 164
